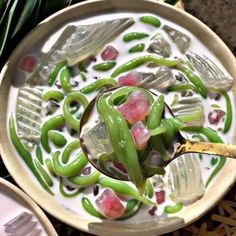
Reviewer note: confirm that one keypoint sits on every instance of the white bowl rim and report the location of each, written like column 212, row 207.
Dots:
column 192, row 213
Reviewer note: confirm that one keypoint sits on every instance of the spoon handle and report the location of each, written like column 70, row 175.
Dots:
column 218, row 149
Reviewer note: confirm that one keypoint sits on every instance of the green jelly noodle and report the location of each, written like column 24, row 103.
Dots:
column 69, row 149
column 134, row 36
column 39, row 155
column 136, row 62
column 69, row 118
column 70, row 169
column 229, row 112
column 85, row 181
column 124, row 189
column 57, row 138
column 170, row 209
column 131, row 209
column 53, row 95
column 67, row 194
column 98, row 84
column 43, row 173
column 137, row 48
column 65, row 77
column 25, row 154
column 151, row 20
column 51, row 124
column 49, row 166
column 104, row 66
column 54, row 74
column 194, row 79
column 88, row 206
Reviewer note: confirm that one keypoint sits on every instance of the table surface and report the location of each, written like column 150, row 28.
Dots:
column 221, row 220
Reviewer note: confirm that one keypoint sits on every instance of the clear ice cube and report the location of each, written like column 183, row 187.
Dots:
column 185, row 179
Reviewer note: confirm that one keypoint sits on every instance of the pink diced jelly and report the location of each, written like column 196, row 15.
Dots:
column 28, row 63
column 119, row 166
column 141, row 135
column 160, row 196
column 136, row 108
column 133, row 78
column 110, row 205
column 109, row 53
column 215, row 116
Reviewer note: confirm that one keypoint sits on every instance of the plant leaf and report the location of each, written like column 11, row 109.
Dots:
column 26, row 13
column 2, row 5
column 37, row 12
column 5, row 33
column 5, row 12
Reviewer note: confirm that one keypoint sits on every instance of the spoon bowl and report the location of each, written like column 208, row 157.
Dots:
column 98, row 149
column 89, row 140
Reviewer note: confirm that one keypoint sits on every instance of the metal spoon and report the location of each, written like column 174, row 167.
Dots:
column 95, row 142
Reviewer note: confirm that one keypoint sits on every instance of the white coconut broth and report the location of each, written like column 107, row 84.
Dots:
column 74, row 204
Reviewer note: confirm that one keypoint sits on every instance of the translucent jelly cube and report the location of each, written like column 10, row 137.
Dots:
column 185, row 179
column 182, row 40
column 110, row 205
column 28, row 113
column 136, row 108
column 18, row 222
column 109, row 53
column 164, row 78
column 141, row 135
column 132, row 78
column 97, row 140
column 22, row 225
column 190, row 110
column 160, row 46
column 212, row 76
column 161, row 80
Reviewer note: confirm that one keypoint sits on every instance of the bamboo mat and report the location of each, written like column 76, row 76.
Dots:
column 221, row 220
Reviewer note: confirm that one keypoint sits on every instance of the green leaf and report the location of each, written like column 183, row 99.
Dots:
column 5, row 12
column 6, row 30
column 2, row 6
column 37, row 12
column 26, row 13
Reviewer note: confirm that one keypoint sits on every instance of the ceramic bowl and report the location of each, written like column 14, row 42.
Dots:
column 13, row 202
column 215, row 192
